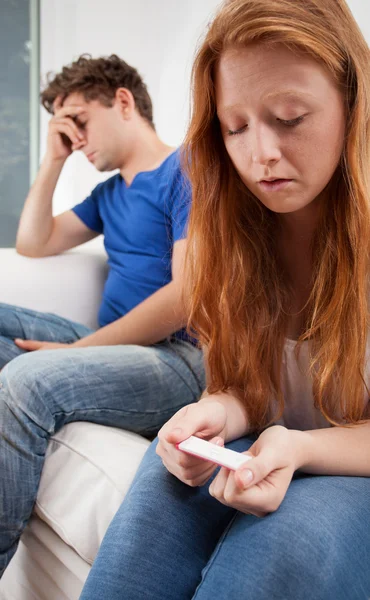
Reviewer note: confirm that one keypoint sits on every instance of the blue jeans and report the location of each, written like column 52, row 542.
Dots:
column 131, row 387
column 169, row 541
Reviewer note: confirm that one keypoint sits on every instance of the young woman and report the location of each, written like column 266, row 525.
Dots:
column 278, row 153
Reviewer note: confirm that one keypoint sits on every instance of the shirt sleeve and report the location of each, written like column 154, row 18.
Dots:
column 88, row 211
column 181, row 198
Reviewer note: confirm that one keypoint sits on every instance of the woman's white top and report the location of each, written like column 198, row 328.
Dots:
column 299, row 409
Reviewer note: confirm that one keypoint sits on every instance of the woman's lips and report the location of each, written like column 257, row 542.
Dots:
column 275, row 185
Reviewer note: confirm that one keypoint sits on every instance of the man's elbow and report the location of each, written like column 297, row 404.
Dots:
column 29, row 251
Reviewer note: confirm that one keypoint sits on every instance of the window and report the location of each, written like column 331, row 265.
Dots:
column 19, row 90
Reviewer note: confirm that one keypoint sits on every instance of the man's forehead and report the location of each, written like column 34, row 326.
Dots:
column 75, row 99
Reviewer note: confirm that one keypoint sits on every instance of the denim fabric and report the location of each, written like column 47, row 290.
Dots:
column 17, row 322
column 172, row 542
column 132, row 387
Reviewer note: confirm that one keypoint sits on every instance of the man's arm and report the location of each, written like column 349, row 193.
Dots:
column 154, row 319
column 39, row 233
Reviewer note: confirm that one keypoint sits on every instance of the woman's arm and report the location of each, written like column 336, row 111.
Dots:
column 334, row 451
column 237, row 423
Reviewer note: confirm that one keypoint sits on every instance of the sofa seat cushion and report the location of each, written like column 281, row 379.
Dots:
column 87, row 473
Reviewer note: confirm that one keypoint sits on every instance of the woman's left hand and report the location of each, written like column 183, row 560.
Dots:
column 259, row 486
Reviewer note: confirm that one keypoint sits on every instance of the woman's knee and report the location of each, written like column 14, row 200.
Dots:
column 311, row 542
column 320, row 518
column 313, row 546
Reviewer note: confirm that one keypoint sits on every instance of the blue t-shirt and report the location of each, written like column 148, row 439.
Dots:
column 140, row 224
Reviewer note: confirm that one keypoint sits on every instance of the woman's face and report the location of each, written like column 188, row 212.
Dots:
column 283, row 123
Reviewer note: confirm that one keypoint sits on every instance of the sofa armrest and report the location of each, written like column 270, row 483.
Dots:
column 69, row 285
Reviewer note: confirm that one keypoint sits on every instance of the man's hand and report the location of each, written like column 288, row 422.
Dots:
column 63, row 135
column 32, row 345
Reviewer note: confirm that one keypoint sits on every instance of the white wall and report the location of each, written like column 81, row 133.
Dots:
column 157, row 37
column 361, row 12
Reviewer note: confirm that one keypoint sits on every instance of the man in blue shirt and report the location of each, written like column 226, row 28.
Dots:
column 140, row 366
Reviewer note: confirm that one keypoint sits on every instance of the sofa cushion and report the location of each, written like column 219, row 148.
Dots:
column 69, row 285
column 87, row 472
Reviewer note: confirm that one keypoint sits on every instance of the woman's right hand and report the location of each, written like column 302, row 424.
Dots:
column 206, row 420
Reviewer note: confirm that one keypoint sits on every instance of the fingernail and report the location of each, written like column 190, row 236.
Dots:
column 246, row 476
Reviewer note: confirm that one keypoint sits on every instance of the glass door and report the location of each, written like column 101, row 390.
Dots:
column 19, row 109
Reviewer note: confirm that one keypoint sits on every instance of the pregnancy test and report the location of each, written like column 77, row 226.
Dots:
column 218, row 454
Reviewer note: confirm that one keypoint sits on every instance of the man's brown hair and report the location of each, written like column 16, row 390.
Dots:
column 98, row 79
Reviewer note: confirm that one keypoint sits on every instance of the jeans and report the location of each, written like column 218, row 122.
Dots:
column 131, row 387
column 169, row 541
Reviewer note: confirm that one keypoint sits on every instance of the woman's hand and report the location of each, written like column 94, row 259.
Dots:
column 259, row 486
column 206, row 420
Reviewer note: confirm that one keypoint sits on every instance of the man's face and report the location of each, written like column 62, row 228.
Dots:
column 103, row 128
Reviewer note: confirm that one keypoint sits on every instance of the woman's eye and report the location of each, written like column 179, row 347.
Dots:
column 286, row 123
column 237, row 131
column 291, row 122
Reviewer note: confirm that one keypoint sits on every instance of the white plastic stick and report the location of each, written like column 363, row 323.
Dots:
column 217, row 454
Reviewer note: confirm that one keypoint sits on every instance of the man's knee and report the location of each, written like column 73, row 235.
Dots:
column 25, row 387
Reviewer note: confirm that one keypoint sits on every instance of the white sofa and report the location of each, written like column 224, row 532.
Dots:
column 89, row 467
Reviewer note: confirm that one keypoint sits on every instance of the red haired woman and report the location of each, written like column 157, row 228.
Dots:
column 278, row 153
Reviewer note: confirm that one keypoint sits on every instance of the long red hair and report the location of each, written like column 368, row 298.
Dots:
column 238, row 297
